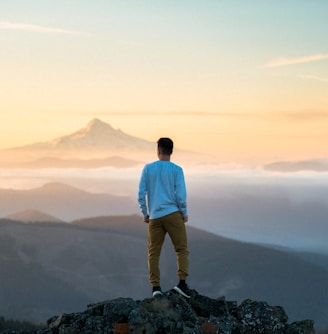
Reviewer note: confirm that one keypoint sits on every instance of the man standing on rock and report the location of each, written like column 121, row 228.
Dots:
column 163, row 202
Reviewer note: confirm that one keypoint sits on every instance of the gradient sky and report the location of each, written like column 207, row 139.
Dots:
column 245, row 80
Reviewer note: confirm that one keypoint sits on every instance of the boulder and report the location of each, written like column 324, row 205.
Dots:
column 174, row 314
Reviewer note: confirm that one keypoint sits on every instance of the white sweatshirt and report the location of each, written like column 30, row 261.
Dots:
column 162, row 190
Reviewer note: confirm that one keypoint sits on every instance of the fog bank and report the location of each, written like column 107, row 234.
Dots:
column 285, row 209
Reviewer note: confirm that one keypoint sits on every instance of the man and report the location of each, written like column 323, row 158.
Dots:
column 163, row 202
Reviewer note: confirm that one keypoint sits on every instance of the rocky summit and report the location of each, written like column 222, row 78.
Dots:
column 173, row 314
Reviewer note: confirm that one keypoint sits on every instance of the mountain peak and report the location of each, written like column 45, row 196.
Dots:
column 96, row 140
column 100, row 135
column 98, row 125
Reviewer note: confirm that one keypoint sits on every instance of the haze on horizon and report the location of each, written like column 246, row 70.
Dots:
column 246, row 81
column 243, row 81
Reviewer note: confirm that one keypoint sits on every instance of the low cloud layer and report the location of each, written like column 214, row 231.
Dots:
column 285, row 209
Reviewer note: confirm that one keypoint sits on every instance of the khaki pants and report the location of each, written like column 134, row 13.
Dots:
column 174, row 225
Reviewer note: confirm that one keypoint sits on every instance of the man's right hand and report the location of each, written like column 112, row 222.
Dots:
column 146, row 219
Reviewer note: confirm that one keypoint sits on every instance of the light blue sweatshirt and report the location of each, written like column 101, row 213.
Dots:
column 162, row 190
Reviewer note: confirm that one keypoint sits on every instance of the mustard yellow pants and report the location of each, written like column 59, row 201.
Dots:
column 174, row 225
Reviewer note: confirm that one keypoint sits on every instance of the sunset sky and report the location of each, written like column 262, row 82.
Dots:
column 240, row 79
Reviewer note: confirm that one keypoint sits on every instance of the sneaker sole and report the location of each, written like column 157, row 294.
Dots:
column 157, row 293
column 178, row 290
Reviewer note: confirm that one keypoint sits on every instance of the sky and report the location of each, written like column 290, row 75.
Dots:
column 243, row 80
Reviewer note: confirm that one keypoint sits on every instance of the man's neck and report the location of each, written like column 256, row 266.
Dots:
column 164, row 157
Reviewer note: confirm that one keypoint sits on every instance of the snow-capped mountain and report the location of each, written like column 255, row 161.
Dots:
column 96, row 145
column 97, row 135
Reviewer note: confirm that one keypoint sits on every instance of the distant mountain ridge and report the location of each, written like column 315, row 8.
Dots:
column 32, row 216
column 65, row 202
column 70, row 265
column 316, row 165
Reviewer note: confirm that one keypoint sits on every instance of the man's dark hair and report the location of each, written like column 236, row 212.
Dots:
column 165, row 145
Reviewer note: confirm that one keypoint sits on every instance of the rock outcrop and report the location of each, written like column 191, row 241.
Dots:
column 174, row 314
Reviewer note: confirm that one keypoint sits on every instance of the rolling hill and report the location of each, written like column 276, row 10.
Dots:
column 65, row 202
column 32, row 216
column 53, row 268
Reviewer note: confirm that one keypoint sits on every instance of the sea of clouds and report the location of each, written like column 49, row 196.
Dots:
column 252, row 205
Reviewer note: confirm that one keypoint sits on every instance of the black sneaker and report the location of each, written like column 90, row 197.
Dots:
column 182, row 289
column 157, row 291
